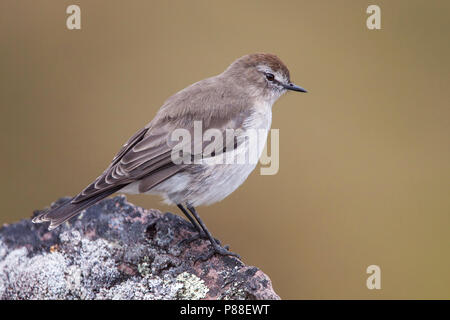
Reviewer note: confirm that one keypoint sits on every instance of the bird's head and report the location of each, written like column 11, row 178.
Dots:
column 263, row 75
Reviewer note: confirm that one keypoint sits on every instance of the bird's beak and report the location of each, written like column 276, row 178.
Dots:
column 294, row 87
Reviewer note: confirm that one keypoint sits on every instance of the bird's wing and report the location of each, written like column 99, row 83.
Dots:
column 148, row 154
column 143, row 154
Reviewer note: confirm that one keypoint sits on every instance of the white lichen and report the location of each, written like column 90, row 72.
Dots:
column 193, row 288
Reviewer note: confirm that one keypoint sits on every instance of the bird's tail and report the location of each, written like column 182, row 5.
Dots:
column 69, row 209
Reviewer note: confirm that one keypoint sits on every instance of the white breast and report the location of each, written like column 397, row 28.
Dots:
column 220, row 180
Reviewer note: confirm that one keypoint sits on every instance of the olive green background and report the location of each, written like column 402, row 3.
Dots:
column 364, row 157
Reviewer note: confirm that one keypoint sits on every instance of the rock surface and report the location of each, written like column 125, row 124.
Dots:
column 115, row 250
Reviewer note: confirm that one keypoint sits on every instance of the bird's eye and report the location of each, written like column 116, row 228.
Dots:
column 270, row 77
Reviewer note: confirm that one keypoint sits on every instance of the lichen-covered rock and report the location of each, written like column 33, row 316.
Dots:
column 115, row 250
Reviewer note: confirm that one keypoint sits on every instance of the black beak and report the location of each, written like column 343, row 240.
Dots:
column 293, row 87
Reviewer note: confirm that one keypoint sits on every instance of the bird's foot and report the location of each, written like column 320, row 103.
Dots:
column 218, row 249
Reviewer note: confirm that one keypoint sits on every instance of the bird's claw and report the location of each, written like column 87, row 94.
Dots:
column 217, row 249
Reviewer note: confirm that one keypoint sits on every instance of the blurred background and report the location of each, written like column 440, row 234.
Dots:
column 364, row 172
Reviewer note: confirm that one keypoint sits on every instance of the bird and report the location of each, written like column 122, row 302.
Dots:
column 238, row 100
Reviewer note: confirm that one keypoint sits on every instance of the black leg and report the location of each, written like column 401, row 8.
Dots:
column 186, row 213
column 201, row 234
column 216, row 246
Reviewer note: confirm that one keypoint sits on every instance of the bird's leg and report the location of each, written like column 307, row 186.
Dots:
column 191, row 220
column 200, row 235
column 217, row 248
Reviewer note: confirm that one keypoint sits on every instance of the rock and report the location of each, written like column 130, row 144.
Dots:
column 115, row 250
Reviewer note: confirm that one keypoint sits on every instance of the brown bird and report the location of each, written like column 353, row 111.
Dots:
column 193, row 172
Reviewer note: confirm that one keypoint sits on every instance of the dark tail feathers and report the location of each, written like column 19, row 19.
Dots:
column 68, row 209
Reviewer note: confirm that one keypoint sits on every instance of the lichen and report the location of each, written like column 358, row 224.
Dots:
column 115, row 250
column 193, row 288
column 144, row 268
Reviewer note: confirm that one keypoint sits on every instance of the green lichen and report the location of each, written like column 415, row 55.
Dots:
column 144, row 267
column 192, row 287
